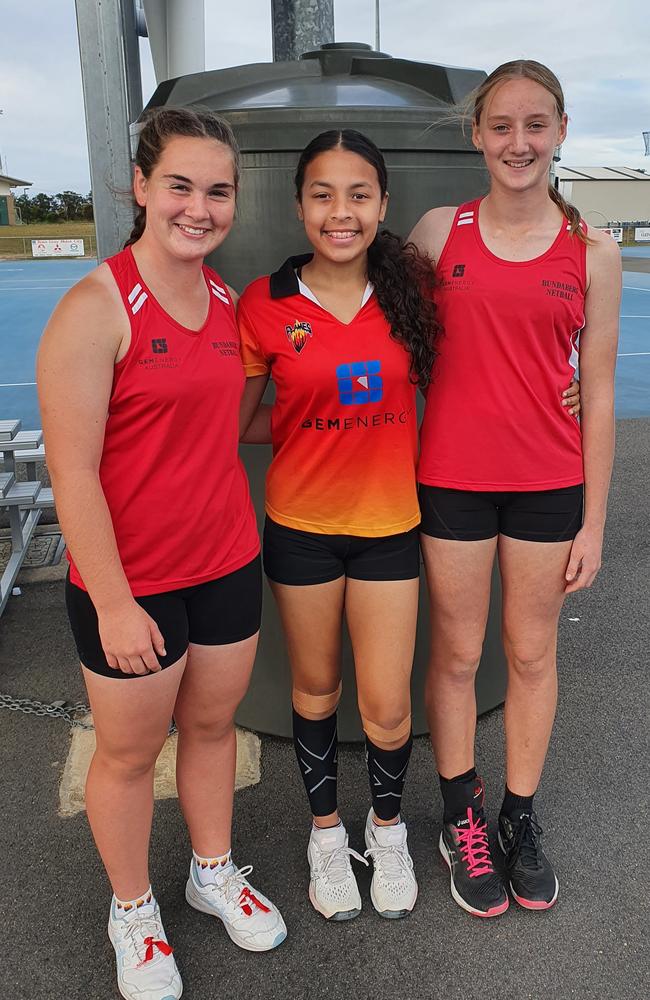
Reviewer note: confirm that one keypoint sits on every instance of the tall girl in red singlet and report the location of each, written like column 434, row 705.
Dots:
column 139, row 362
column 524, row 289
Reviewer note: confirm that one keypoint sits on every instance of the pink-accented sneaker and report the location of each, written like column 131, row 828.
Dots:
column 474, row 883
column 533, row 882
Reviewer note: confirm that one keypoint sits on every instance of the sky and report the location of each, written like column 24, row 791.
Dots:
column 599, row 50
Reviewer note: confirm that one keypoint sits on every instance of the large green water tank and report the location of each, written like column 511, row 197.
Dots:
column 276, row 109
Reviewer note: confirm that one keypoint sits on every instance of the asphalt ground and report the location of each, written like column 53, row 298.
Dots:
column 592, row 804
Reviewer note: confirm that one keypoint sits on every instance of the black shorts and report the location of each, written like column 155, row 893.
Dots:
column 467, row 516
column 216, row 613
column 303, row 558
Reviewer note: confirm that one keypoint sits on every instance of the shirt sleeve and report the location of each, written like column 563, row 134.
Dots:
column 254, row 360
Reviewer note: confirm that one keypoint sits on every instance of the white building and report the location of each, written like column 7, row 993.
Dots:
column 606, row 195
column 7, row 208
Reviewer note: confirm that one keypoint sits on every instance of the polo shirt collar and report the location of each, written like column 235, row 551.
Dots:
column 284, row 282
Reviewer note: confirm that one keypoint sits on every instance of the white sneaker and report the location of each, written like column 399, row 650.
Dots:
column 251, row 920
column 333, row 888
column 393, row 889
column 146, row 969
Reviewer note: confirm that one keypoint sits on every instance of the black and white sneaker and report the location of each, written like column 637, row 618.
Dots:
column 533, row 882
column 474, row 883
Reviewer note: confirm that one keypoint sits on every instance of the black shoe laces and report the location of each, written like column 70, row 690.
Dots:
column 527, row 841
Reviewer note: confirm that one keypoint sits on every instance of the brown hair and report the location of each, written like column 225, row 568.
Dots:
column 529, row 69
column 162, row 124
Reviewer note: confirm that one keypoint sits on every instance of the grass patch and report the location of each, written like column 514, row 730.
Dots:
column 15, row 241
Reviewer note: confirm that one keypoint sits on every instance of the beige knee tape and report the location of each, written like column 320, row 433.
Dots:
column 387, row 738
column 316, row 706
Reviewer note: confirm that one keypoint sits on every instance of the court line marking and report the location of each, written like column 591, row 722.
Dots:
column 14, row 385
column 640, row 316
column 634, row 288
column 32, row 288
column 635, row 354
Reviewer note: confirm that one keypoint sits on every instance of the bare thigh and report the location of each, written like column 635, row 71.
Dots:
column 311, row 618
column 382, row 618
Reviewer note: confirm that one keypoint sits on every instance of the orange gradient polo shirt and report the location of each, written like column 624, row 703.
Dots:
column 344, row 423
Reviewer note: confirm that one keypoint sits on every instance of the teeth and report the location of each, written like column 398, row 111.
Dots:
column 342, row 234
column 518, row 164
column 191, row 231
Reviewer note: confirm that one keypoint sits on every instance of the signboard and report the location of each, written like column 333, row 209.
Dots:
column 57, row 248
column 616, row 232
column 642, row 235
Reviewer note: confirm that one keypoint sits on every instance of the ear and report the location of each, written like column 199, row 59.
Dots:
column 384, row 207
column 301, row 217
column 140, row 187
column 476, row 136
column 564, row 121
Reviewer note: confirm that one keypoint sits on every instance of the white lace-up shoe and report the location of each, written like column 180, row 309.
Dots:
column 333, row 888
column 146, row 969
column 393, row 889
column 251, row 920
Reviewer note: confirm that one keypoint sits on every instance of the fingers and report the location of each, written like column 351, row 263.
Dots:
column 157, row 638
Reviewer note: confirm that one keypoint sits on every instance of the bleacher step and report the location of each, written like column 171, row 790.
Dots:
column 6, row 482
column 8, row 429
column 21, row 495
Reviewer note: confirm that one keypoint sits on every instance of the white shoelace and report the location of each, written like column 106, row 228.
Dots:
column 137, row 931
column 335, row 865
column 393, row 860
column 232, row 886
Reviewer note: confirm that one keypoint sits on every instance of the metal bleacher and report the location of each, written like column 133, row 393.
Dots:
column 22, row 501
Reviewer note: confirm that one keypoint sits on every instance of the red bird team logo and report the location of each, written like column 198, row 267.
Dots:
column 298, row 334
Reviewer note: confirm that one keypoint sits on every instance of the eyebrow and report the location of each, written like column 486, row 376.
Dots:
column 222, row 185
column 326, row 184
column 508, row 118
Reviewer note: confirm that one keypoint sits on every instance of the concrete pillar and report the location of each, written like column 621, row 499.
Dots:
column 300, row 25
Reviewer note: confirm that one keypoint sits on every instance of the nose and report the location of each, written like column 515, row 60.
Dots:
column 196, row 206
column 519, row 140
column 339, row 209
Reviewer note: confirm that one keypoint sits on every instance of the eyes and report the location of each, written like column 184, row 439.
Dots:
column 217, row 194
column 327, row 196
column 502, row 128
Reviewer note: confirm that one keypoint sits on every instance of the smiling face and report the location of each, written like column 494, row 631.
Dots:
column 341, row 205
column 189, row 196
column 518, row 130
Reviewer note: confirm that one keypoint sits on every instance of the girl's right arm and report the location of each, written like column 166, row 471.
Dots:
column 75, row 367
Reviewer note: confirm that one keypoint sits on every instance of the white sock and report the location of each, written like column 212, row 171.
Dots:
column 211, row 869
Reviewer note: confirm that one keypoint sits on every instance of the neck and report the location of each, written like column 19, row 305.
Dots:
column 328, row 273
column 152, row 259
column 519, row 209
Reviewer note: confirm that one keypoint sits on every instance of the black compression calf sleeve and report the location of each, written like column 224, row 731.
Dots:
column 387, row 773
column 315, row 742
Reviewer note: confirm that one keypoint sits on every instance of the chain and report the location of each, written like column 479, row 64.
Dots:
column 55, row 710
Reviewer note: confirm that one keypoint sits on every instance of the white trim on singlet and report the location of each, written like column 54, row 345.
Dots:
column 574, row 356
column 137, row 298
column 307, row 292
column 219, row 291
column 465, row 218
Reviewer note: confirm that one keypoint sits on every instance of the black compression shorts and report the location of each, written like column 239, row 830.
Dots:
column 537, row 516
column 303, row 558
column 216, row 613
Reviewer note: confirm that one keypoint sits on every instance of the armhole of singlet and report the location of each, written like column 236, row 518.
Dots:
column 583, row 257
column 467, row 207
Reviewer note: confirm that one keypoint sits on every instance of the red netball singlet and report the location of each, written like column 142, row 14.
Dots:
column 175, row 487
column 510, row 339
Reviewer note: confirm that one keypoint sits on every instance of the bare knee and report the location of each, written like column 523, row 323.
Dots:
column 126, row 763
column 530, row 660
column 206, row 729
column 456, row 661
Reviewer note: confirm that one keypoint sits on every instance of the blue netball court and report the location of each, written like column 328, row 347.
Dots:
column 30, row 289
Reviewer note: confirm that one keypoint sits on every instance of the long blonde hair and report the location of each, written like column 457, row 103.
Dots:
column 529, row 69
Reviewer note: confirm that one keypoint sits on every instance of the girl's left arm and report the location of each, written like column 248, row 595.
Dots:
column 598, row 344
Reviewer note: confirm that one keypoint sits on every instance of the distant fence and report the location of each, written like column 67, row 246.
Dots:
column 630, row 234
column 18, row 247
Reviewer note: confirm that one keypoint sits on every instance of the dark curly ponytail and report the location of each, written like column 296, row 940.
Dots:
column 162, row 124
column 403, row 277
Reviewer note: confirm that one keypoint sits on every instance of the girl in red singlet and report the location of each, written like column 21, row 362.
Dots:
column 523, row 287
column 139, row 362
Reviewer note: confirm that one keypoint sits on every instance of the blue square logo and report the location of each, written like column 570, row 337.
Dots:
column 359, row 382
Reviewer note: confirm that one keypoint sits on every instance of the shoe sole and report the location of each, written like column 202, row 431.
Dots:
column 337, row 915
column 198, row 904
column 530, row 904
column 494, row 911
column 129, row 996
